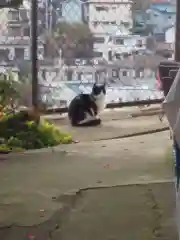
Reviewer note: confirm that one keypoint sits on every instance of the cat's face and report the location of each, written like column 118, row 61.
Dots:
column 98, row 90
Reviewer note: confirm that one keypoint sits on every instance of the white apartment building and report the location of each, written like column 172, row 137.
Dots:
column 118, row 46
column 110, row 22
column 106, row 16
column 15, row 33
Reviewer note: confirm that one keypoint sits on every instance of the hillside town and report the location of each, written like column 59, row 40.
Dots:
column 126, row 41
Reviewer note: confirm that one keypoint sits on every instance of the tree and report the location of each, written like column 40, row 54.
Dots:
column 74, row 40
column 15, row 91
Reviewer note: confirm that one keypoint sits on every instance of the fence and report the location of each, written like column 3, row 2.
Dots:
column 74, row 44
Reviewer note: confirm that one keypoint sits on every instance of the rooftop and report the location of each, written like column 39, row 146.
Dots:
column 139, row 62
column 166, row 8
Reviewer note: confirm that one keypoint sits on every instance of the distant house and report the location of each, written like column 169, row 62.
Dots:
column 161, row 15
column 139, row 67
column 118, row 45
column 107, row 16
column 155, row 19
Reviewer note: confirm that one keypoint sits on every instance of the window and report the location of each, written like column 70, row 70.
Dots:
column 118, row 56
column 115, row 73
column 119, row 41
column 108, row 22
column 23, row 13
column 26, row 32
column 139, row 73
column 139, row 43
column 14, row 31
column 14, row 16
column 126, row 55
column 98, row 54
column 126, row 24
column 101, row 8
column 124, row 73
column 110, row 55
column 4, row 54
column 99, row 40
column 19, row 53
column 26, row 54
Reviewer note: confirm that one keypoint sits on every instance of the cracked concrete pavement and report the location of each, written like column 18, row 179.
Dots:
column 104, row 190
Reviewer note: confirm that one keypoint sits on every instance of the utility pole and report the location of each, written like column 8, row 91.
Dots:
column 34, row 55
column 177, row 35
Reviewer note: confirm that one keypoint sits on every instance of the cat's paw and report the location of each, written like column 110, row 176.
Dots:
column 97, row 117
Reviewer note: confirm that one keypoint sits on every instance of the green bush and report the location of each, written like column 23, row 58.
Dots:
column 20, row 131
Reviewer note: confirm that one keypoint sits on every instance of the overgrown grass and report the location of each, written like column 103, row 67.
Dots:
column 19, row 132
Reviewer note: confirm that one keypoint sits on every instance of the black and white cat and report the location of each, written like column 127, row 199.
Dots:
column 84, row 109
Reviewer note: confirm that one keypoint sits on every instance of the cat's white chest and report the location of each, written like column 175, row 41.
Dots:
column 100, row 103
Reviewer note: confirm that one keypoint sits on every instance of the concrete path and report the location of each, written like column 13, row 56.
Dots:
column 96, row 189
column 79, row 192
column 115, row 124
column 133, row 213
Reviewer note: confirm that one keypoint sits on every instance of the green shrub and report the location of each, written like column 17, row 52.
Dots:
column 4, row 148
column 19, row 131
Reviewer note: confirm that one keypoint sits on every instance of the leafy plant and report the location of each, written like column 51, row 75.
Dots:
column 8, row 90
column 15, row 91
column 20, row 131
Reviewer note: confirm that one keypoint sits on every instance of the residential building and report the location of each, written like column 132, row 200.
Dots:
column 110, row 21
column 18, row 22
column 15, row 40
column 107, row 16
column 118, row 46
column 137, row 67
column 160, row 16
